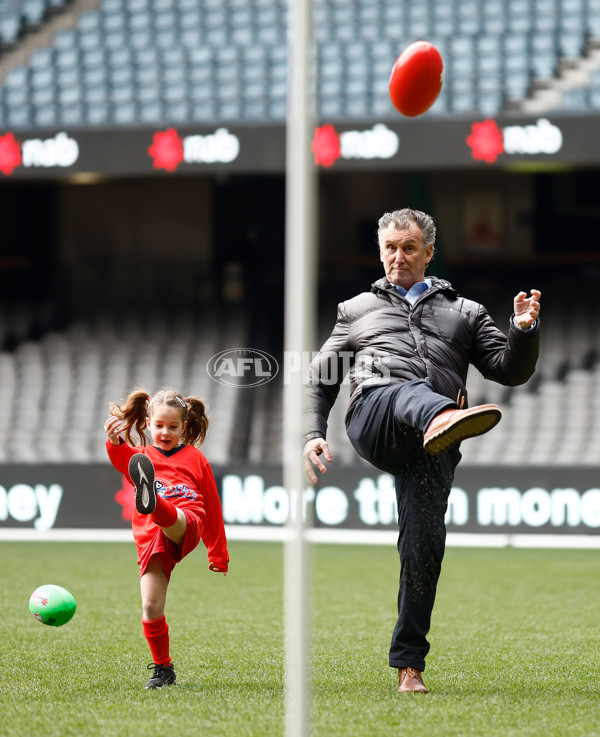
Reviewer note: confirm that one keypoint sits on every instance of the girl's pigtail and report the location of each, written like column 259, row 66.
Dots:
column 197, row 419
column 133, row 414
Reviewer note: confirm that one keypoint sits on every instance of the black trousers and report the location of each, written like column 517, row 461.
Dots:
column 386, row 428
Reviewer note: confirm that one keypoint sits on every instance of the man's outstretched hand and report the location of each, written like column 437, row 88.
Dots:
column 312, row 450
column 527, row 308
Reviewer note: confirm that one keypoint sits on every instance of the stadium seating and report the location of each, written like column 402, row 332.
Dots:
column 144, row 62
column 54, row 391
column 55, row 388
column 17, row 17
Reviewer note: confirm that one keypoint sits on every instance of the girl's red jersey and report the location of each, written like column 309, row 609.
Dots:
column 186, row 480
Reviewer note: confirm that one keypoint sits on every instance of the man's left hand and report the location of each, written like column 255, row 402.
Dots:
column 527, row 308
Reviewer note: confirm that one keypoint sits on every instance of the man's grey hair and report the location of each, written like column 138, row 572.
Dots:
column 402, row 220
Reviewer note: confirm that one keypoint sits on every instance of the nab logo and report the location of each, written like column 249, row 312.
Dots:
column 242, row 367
column 377, row 143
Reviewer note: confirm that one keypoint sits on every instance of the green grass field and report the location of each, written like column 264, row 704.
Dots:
column 515, row 645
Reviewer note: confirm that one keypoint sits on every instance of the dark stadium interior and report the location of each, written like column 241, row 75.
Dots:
column 222, row 238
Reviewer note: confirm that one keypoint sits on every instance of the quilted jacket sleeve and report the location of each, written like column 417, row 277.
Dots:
column 325, row 374
column 508, row 360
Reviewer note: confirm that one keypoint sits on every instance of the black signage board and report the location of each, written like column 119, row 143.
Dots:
column 392, row 144
column 506, row 500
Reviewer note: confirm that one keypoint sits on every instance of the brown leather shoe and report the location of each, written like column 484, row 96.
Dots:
column 452, row 426
column 410, row 681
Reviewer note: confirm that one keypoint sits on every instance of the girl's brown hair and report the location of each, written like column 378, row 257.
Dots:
column 138, row 407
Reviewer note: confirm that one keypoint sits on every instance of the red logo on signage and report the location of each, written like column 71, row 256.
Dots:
column 125, row 498
column 486, row 141
column 10, row 154
column 166, row 150
column 326, row 145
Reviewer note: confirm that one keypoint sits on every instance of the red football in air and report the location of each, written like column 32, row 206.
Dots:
column 416, row 79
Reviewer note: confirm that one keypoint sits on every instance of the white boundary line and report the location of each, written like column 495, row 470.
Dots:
column 15, row 534
column 260, row 533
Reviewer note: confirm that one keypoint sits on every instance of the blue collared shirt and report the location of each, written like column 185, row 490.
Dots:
column 415, row 291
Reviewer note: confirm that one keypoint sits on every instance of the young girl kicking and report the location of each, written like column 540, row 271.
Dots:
column 176, row 501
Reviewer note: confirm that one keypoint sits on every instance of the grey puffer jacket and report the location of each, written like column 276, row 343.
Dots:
column 380, row 338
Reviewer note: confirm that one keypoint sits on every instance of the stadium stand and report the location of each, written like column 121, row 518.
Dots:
column 148, row 62
column 20, row 17
column 55, row 389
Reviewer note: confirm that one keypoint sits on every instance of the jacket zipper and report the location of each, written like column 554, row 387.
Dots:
column 415, row 333
column 413, row 330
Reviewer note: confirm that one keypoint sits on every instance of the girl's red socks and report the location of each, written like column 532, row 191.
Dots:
column 156, row 632
column 165, row 513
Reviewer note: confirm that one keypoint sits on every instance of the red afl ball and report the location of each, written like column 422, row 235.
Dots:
column 416, row 79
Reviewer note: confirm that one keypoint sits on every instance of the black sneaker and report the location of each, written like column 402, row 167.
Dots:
column 164, row 675
column 141, row 472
